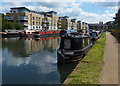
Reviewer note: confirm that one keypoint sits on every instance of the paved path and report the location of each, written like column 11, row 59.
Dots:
column 109, row 74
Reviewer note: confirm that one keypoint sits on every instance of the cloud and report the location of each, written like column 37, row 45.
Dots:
column 95, row 18
column 107, row 4
column 48, row 4
column 71, row 9
column 62, row 1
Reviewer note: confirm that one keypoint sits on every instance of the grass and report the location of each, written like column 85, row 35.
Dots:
column 88, row 70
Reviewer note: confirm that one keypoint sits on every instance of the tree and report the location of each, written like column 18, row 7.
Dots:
column 10, row 25
column 18, row 26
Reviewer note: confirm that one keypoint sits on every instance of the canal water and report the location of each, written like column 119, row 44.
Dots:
column 32, row 61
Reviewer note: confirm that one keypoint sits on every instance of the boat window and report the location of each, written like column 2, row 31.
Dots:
column 67, row 43
column 83, row 43
column 94, row 34
column 77, row 44
column 86, row 42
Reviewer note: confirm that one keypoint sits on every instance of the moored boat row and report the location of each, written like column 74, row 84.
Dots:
column 75, row 45
column 29, row 33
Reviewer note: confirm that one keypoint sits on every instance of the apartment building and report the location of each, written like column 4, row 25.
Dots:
column 74, row 24
column 59, row 23
column 54, row 20
column 66, row 23
column 46, row 21
column 84, row 27
column 79, row 26
column 33, row 19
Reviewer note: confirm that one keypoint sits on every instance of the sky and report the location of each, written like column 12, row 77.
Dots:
column 89, row 11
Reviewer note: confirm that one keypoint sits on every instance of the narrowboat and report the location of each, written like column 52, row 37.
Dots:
column 95, row 35
column 45, row 33
column 73, row 48
column 11, row 33
column 27, row 33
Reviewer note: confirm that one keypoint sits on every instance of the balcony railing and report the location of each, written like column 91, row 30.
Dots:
column 23, row 18
column 37, row 19
column 37, row 24
column 48, row 21
column 59, row 22
column 44, row 25
column 43, row 20
column 59, row 26
column 9, row 18
column 25, row 23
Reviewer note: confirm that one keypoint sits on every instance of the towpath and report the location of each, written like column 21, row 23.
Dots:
column 109, row 74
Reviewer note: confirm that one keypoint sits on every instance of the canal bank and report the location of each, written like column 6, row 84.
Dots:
column 88, row 70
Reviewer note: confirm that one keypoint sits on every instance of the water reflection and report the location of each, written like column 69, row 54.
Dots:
column 32, row 61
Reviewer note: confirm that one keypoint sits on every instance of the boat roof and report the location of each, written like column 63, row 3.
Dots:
column 76, row 36
column 70, row 31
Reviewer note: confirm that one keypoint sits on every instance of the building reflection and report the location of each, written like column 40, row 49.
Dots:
column 39, row 44
column 26, row 46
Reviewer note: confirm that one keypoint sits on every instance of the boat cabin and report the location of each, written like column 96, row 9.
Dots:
column 73, row 47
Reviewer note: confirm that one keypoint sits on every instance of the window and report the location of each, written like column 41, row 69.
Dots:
column 33, row 18
column 33, row 27
column 33, row 23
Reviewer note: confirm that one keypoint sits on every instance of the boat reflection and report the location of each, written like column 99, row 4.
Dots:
column 65, row 69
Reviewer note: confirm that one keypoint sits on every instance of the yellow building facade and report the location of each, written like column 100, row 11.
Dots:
column 33, row 19
column 37, row 20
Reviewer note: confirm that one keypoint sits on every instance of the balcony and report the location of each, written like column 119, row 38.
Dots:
column 23, row 18
column 43, row 20
column 59, row 26
column 47, row 21
column 44, row 25
column 37, row 24
column 37, row 19
column 59, row 22
column 25, row 23
column 9, row 17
